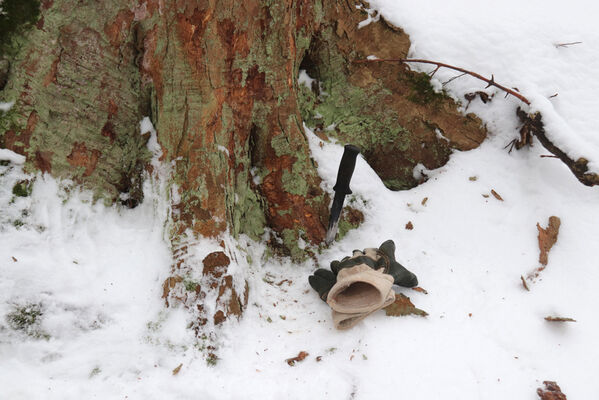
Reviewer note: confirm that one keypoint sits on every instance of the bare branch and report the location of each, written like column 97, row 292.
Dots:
column 532, row 124
column 490, row 82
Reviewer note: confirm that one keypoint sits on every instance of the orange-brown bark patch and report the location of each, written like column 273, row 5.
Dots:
column 81, row 157
column 215, row 264
column 46, row 4
column 51, row 75
column 19, row 141
column 118, row 29
column 108, row 131
column 151, row 65
column 43, row 161
column 233, row 304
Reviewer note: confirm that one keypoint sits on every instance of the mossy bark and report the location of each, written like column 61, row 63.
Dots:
column 392, row 113
column 219, row 82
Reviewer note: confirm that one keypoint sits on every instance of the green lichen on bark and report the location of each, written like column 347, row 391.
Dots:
column 77, row 102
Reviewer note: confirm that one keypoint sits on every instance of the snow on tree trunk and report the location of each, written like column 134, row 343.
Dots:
column 218, row 79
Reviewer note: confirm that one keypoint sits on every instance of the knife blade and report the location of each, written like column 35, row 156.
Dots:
column 341, row 188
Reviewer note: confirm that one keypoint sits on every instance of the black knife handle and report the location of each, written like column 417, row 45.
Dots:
column 346, row 169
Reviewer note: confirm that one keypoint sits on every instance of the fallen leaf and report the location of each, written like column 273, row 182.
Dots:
column 496, row 195
column 551, row 392
column 424, row 201
column 300, row 357
column 559, row 319
column 472, row 178
column 176, row 370
column 486, row 196
column 14, row 259
column 409, row 226
column 547, row 238
column 319, row 358
column 419, row 289
column 403, row 306
column 524, row 283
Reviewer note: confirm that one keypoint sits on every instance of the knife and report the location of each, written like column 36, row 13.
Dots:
column 341, row 188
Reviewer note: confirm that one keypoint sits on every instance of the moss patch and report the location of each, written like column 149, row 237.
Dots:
column 421, row 90
column 27, row 319
column 22, row 188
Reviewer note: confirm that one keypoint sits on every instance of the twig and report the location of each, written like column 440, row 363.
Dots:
column 548, row 156
column 455, row 77
column 490, row 82
column 566, row 44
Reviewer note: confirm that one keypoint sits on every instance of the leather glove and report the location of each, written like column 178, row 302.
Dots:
column 401, row 276
column 322, row 281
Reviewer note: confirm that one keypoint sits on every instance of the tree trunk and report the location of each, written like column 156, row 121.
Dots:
column 219, row 82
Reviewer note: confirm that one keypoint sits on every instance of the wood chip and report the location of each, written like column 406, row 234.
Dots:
column 551, row 392
column 496, row 195
column 559, row 319
column 300, row 357
column 547, row 238
column 176, row 370
column 424, row 201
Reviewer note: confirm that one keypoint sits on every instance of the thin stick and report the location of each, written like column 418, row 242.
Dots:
column 455, row 77
column 490, row 82
column 566, row 44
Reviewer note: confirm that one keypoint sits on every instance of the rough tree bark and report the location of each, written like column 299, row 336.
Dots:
column 219, row 82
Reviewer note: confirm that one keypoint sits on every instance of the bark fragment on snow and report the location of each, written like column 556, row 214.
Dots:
column 547, row 237
column 551, row 391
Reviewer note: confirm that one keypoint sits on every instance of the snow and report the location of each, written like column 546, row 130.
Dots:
column 9, row 155
column 5, row 106
column 96, row 272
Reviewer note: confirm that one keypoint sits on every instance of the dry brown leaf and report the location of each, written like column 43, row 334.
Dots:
column 496, row 195
column 176, row 370
column 419, row 289
column 551, row 392
column 300, row 357
column 403, row 306
column 486, row 196
column 14, row 259
column 409, row 226
column 547, row 238
column 559, row 319
column 524, row 283
column 424, row 201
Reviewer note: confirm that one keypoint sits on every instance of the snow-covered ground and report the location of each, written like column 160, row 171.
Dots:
column 85, row 280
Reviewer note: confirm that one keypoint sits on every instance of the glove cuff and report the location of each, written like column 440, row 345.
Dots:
column 359, row 289
column 343, row 321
